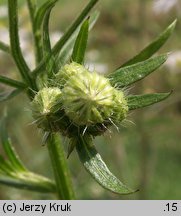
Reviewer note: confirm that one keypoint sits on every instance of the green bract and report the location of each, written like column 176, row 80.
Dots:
column 45, row 105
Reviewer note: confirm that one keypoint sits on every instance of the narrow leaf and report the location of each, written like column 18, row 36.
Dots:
column 94, row 164
column 5, row 167
column 127, row 75
column 153, row 47
column 11, row 82
column 29, row 182
column 81, row 43
column 59, row 45
column 37, row 24
column 32, row 8
column 9, row 149
column 50, row 65
column 4, row 96
column 40, row 14
column 66, row 51
column 139, row 101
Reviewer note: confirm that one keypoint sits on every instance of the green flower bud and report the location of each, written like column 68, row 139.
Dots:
column 67, row 71
column 45, row 105
column 87, row 98
column 120, row 107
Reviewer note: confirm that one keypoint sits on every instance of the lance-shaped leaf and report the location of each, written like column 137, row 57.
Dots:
column 11, row 82
column 50, row 65
column 81, row 43
column 59, row 45
column 5, row 166
column 66, row 51
column 4, row 96
column 140, row 101
column 8, row 148
column 38, row 19
column 40, row 13
column 13, row 173
column 28, row 181
column 127, row 75
column 94, row 164
column 153, row 47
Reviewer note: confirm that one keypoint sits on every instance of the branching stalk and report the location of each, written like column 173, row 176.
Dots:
column 15, row 44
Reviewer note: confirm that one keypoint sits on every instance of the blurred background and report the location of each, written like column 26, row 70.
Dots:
column 146, row 152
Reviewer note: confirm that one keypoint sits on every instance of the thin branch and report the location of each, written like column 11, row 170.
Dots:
column 11, row 82
column 15, row 44
column 4, row 47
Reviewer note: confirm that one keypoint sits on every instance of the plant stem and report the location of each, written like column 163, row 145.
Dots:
column 13, row 83
column 15, row 44
column 60, row 168
column 4, row 47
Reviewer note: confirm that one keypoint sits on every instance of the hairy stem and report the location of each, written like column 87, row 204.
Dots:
column 4, row 47
column 15, row 44
column 60, row 168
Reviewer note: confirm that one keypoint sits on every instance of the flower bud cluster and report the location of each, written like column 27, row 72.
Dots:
column 80, row 101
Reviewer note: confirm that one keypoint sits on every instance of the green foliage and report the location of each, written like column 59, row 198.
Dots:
column 11, row 82
column 15, row 44
column 94, row 164
column 59, row 45
column 65, row 53
column 41, row 12
column 50, row 65
column 81, row 43
column 127, row 75
column 153, row 47
column 12, row 171
column 139, row 101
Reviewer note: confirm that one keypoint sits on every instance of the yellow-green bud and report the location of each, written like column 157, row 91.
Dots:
column 87, row 98
column 45, row 104
column 67, row 71
column 120, row 107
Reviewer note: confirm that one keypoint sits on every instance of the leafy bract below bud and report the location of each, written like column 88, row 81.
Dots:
column 67, row 71
column 45, row 104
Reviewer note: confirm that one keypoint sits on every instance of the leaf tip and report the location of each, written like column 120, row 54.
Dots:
column 173, row 24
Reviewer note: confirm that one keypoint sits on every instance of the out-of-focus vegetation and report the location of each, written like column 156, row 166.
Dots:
column 147, row 152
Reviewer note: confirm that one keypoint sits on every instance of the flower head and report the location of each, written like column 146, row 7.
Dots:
column 45, row 106
column 86, row 100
